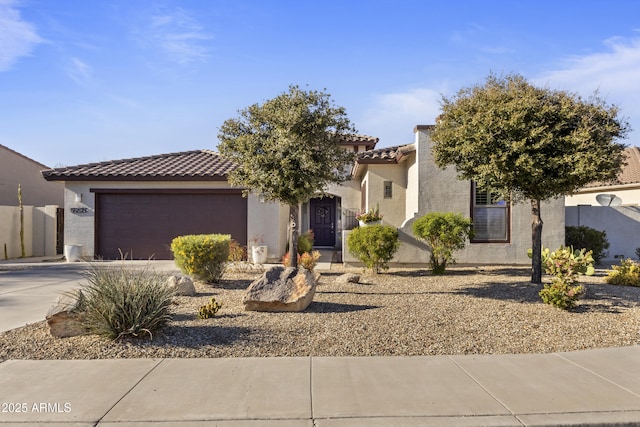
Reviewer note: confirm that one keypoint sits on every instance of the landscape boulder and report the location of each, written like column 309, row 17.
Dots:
column 182, row 285
column 281, row 289
column 64, row 318
column 348, row 278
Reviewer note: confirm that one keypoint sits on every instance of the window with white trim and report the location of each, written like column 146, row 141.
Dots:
column 491, row 216
column 388, row 189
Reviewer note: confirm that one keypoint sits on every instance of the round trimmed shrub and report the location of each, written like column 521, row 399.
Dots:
column 202, row 256
column 374, row 245
column 444, row 232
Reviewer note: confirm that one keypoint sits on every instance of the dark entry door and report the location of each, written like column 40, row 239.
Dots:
column 323, row 220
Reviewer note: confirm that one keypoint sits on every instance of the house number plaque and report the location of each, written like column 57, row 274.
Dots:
column 79, row 210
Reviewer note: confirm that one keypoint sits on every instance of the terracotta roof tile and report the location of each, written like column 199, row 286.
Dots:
column 630, row 173
column 196, row 165
column 385, row 155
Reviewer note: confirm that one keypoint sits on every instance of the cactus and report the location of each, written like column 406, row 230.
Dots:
column 22, row 252
column 209, row 310
column 565, row 264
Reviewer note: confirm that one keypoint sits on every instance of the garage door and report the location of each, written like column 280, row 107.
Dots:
column 142, row 224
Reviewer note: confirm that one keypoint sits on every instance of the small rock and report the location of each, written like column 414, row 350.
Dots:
column 348, row 278
column 182, row 285
column 63, row 318
column 281, row 289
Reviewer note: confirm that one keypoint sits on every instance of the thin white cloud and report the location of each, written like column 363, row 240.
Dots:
column 79, row 71
column 18, row 38
column 614, row 73
column 178, row 35
column 393, row 116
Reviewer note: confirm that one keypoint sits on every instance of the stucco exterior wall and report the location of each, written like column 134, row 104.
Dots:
column 17, row 169
column 441, row 190
column 412, row 192
column 263, row 219
column 621, row 224
column 392, row 209
column 630, row 196
column 39, row 231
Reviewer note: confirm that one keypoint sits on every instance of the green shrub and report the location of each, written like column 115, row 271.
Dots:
column 202, row 256
column 626, row 274
column 123, row 301
column 589, row 238
column 209, row 310
column 374, row 245
column 560, row 294
column 444, row 232
column 305, row 243
column 565, row 264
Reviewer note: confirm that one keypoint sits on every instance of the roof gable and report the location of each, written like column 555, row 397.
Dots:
column 197, row 165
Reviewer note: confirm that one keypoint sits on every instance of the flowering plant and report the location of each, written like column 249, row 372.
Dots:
column 371, row 216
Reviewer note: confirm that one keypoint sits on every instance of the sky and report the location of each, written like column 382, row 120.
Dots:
column 91, row 81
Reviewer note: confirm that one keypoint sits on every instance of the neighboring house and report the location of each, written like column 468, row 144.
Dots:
column 40, row 215
column 18, row 169
column 627, row 189
column 613, row 208
column 138, row 205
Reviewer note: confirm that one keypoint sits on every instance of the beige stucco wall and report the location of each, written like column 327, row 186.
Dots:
column 267, row 220
column 16, row 169
column 39, row 231
column 440, row 190
column 392, row 209
column 630, row 196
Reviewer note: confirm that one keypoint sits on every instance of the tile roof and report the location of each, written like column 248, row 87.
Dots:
column 385, row 155
column 197, row 165
column 630, row 173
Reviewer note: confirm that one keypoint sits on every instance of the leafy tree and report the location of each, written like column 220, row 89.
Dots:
column 529, row 143
column 287, row 149
column 445, row 232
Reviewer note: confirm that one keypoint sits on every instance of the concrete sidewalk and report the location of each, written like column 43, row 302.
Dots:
column 595, row 387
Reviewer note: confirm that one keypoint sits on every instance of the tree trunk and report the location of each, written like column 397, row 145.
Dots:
column 536, row 241
column 293, row 235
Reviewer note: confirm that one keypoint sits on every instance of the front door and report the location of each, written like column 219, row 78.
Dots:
column 323, row 220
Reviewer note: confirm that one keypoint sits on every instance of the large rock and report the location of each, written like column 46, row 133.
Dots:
column 64, row 319
column 182, row 285
column 348, row 278
column 281, row 289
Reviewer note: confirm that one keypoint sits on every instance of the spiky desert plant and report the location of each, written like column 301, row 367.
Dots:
column 124, row 301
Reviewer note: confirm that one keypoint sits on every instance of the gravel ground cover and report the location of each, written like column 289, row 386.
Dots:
column 471, row 310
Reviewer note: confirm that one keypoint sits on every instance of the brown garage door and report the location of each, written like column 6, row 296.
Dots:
column 142, row 224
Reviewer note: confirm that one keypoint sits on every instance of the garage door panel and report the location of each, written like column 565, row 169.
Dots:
column 143, row 224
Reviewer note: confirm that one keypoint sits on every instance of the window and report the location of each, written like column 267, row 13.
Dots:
column 490, row 214
column 388, row 189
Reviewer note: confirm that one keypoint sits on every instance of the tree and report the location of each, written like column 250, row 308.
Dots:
column 445, row 232
column 288, row 149
column 529, row 143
